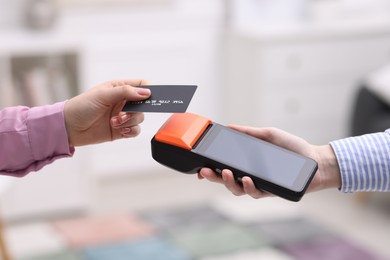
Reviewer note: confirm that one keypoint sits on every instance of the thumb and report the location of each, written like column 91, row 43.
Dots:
column 126, row 92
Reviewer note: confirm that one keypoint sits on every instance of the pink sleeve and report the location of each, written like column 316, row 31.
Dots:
column 31, row 138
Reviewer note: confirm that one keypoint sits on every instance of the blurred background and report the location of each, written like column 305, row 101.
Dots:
column 316, row 68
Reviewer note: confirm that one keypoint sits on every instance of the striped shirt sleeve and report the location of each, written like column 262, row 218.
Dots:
column 364, row 162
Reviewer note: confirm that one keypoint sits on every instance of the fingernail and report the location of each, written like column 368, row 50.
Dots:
column 125, row 130
column 115, row 121
column 125, row 117
column 143, row 91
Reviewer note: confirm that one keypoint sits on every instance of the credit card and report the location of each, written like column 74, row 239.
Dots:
column 163, row 99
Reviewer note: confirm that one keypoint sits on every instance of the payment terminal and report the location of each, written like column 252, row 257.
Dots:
column 187, row 142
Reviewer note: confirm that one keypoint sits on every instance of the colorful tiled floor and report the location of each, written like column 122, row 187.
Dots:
column 196, row 233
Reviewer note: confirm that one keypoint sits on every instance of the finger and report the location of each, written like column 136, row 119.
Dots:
column 250, row 189
column 275, row 136
column 117, row 121
column 262, row 133
column 269, row 134
column 210, row 175
column 231, row 183
column 126, row 92
column 127, row 132
column 127, row 120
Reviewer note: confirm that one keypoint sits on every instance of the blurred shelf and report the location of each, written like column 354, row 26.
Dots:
column 304, row 80
column 310, row 30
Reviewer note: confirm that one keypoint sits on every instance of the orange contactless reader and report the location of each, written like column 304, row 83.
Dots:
column 187, row 142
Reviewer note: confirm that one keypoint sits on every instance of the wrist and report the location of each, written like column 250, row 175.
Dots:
column 67, row 124
column 328, row 167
